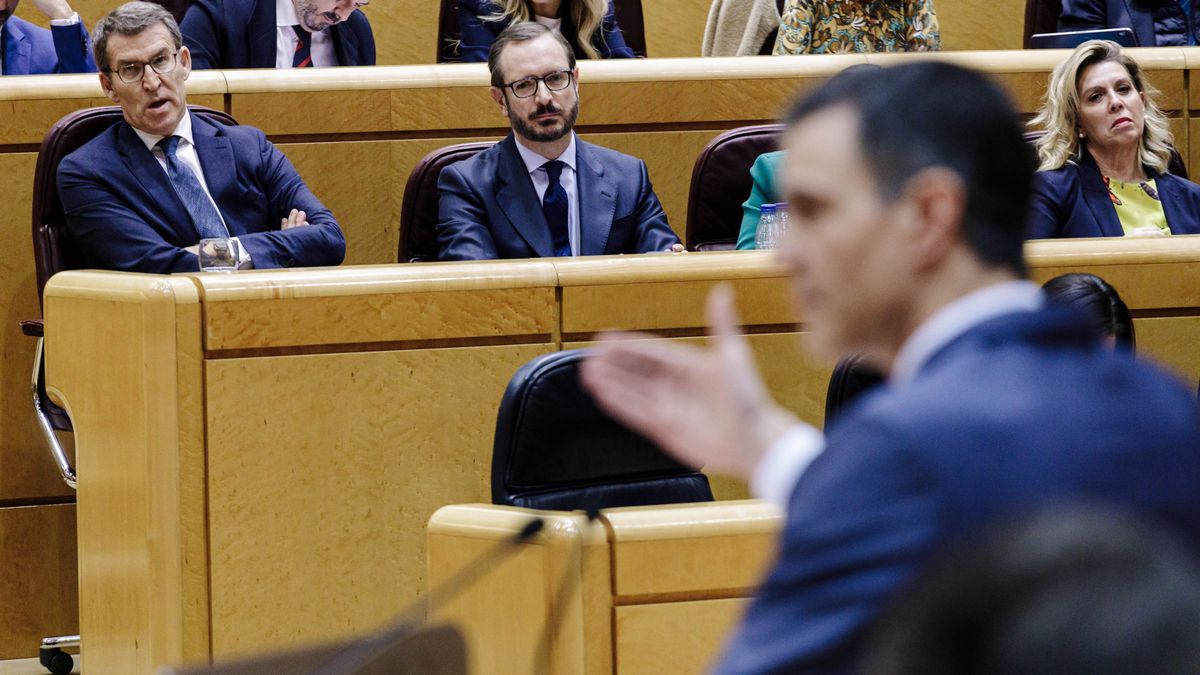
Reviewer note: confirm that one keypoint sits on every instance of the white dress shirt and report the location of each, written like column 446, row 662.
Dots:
column 323, row 54
column 53, row 22
column 541, row 180
column 788, row 457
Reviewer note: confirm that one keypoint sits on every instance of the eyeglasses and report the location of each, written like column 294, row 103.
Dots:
column 134, row 72
column 527, row 86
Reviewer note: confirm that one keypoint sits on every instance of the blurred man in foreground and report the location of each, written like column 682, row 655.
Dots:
column 907, row 189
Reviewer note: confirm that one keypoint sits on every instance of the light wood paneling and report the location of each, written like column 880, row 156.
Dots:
column 41, row 592
column 674, row 637
column 981, row 24
column 1172, row 342
column 302, row 482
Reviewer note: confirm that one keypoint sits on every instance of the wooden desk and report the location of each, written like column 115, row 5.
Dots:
column 644, row 590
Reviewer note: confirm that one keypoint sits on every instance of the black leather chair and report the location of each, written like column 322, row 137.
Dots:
column 1041, row 16
column 721, row 183
column 555, row 449
column 628, row 14
column 419, row 208
column 851, row 378
column 54, row 251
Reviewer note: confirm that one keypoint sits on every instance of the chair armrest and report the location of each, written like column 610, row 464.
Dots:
column 32, row 327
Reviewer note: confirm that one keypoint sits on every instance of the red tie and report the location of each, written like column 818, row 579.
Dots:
column 303, row 56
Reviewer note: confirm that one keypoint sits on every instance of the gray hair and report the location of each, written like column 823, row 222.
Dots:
column 517, row 33
column 131, row 19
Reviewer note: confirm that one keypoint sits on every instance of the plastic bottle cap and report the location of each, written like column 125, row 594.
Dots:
column 767, row 208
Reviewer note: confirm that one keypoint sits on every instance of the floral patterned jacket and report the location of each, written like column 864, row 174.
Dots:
column 843, row 26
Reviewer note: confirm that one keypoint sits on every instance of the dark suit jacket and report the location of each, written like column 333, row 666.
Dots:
column 1020, row 413
column 33, row 50
column 1139, row 15
column 242, row 34
column 477, row 35
column 123, row 211
column 487, row 207
column 1073, row 202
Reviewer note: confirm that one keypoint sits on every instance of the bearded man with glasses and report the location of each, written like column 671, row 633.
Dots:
column 541, row 191
column 141, row 195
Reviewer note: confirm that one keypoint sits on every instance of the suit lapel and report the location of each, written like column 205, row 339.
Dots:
column 597, row 201
column 1095, row 194
column 17, row 49
column 518, row 200
column 264, row 35
column 220, row 169
column 1174, row 203
column 154, row 181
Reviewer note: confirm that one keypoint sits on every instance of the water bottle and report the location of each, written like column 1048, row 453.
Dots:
column 781, row 222
column 764, row 236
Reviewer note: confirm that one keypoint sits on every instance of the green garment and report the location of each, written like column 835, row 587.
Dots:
column 762, row 192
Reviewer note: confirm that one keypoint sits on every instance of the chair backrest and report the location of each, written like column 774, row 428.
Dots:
column 447, row 34
column 1041, row 16
column 419, row 208
column 632, row 24
column 1175, row 164
column 721, row 183
column 555, row 449
column 851, row 377
column 53, row 248
column 628, row 14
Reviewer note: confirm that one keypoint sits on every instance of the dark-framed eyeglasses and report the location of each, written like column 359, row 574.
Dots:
column 134, row 72
column 527, row 86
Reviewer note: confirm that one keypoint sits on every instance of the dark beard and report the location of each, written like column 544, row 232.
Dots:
column 529, row 131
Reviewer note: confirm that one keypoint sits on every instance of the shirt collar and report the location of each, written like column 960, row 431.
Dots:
column 285, row 14
column 957, row 318
column 183, row 130
column 534, row 161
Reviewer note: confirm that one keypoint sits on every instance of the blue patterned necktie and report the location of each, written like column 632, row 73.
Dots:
column 195, row 199
column 555, row 204
column 303, row 56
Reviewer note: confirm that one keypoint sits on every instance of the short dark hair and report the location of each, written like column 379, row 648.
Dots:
column 1094, row 298
column 1072, row 591
column 522, row 32
column 930, row 113
column 131, row 19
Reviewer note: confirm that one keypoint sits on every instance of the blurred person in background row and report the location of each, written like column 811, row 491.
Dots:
column 26, row 49
column 846, row 26
column 589, row 26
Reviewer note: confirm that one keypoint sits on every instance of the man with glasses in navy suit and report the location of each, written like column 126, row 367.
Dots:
column 142, row 194
column 26, row 49
column 542, row 192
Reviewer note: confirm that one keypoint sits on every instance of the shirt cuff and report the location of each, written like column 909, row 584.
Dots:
column 66, row 22
column 244, row 262
column 784, row 462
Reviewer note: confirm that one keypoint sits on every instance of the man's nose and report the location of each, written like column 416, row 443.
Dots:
column 542, row 94
column 150, row 77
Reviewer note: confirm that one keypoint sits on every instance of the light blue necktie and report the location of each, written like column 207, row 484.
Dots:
column 195, row 199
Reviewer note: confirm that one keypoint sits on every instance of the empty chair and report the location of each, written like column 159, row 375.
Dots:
column 851, row 378
column 419, row 210
column 555, row 449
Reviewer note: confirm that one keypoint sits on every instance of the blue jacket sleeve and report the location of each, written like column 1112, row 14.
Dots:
column 614, row 41
column 476, row 35
column 654, row 234
column 201, row 35
column 319, row 243
column 1048, row 208
column 74, row 49
column 762, row 191
column 462, row 230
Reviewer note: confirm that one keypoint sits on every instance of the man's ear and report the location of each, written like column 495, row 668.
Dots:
column 185, row 61
column 106, row 85
column 936, row 200
column 498, row 96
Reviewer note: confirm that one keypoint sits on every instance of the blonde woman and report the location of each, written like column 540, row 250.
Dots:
column 588, row 25
column 1104, row 154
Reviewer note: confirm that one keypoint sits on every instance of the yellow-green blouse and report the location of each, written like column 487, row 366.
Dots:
column 842, row 26
column 1137, row 205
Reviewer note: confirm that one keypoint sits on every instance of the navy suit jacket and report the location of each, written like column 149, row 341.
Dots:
column 1073, row 202
column 123, row 211
column 476, row 35
column 1021, row 413
column 242, row 34
column 33, row 50
column 1135, row 14
column 488, row 208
